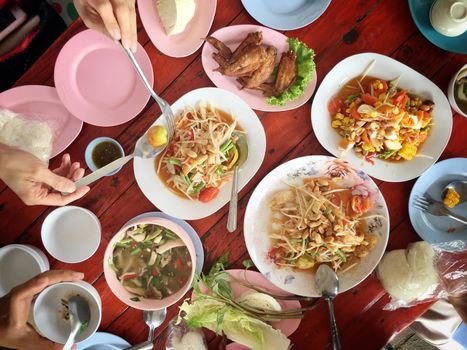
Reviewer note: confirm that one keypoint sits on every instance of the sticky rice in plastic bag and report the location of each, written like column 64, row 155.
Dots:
column 423, row 272
column 33, row 136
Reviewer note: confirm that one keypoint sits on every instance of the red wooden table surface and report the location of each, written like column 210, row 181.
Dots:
column 346, row 28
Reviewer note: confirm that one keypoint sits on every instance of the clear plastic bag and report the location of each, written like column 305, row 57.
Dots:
column 430, row 272
column 30, row 133
column 181, row 337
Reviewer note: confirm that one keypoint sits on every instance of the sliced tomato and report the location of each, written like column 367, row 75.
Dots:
column 275, row 253
column 378, row 91
column 192, row 135
column 335, row 105
column 360, row 204
column 400, row 98
column 369, row 100
column 208, row 194
column 355, row 114
column 335, row 199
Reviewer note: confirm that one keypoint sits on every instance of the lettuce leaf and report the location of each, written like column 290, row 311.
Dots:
column 305, row 68
column 237, row 326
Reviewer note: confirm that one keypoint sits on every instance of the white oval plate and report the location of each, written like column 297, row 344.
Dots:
column 386, row 68
column 257, row 218
column 232, row 36
column 170, row 203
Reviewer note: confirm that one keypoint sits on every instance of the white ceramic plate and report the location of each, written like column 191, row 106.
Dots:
column 389, row 69
column 170, row 203
column 257, row 218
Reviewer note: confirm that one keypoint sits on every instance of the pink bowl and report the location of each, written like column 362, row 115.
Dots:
column 125, row 296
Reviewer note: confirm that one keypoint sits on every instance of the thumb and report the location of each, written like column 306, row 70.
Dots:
column 57, row 182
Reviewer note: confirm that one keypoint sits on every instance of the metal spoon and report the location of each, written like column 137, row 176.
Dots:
column 242, row 147
column 80, row 314
column 154, row 319
column 327, row 283
column 460, row 186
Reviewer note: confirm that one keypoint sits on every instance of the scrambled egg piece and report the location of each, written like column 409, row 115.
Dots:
column 408, row 151
column 452, row 198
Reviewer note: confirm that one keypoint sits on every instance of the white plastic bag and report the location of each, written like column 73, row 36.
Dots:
column 31, row 134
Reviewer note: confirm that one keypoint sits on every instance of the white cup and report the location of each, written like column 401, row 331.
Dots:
column 18, row 264
column 449, row 17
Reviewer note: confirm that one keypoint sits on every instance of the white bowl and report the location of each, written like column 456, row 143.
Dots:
column 449, row 17
column 18, row 264
column 388, row 69
column 47, row 308
column 71, row 234
column 451, row 98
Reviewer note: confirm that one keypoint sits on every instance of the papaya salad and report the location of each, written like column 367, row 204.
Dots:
column 379, row 120
column 319, row 222
column 201, row 154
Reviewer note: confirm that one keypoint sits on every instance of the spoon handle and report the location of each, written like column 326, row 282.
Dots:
column 71, row 338
column 336, row 343
column 232, row 218
column 101, row 172
column 151, row 333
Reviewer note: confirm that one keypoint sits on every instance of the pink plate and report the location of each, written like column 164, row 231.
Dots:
column 42, row 103
column 97, row 82
column 232, row 36
column 236, row 346
column 185, row 43
column 285, row 326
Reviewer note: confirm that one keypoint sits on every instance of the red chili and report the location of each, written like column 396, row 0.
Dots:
column 369, row 157
column 178, row 263
column 129, row 276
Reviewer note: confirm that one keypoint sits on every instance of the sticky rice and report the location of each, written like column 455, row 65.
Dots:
column 31, row 136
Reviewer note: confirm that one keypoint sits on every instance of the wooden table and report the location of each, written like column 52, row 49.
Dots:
column 347, row 27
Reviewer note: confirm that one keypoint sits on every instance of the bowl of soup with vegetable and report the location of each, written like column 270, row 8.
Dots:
column 150, row 264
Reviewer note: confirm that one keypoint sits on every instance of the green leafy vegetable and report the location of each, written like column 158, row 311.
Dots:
column 305, row 68
column 84, row 325
column 387, row 154
column 248, row 263
column 236, row 325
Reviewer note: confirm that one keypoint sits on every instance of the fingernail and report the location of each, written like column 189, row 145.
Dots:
column 116, row 34
column 68, row 187
column 134, row 47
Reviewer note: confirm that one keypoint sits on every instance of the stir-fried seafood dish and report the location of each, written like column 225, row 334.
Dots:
column 319, row 222
column 201, row 154
column 253, row 64
column 379, row 120
column 151, row 261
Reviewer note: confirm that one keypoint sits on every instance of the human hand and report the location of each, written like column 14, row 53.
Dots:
column 116, row 18
column 15, row 332
column 34, row 183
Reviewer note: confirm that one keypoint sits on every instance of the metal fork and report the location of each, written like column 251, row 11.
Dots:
column 436, row 208
column 163, row 105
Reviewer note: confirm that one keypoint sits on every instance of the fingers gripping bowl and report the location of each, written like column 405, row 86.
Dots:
column 150, row 263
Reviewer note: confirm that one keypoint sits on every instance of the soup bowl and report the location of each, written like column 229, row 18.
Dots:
column 134, row 300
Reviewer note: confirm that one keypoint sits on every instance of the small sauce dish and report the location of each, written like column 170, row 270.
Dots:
column 102, row 151
column 453, row 93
